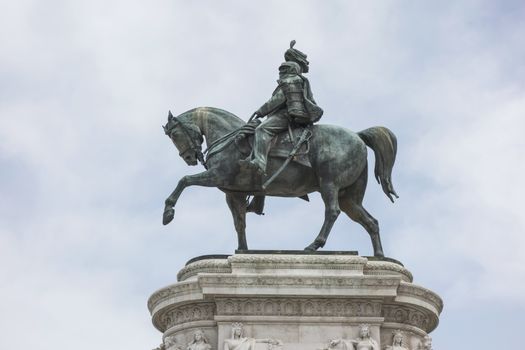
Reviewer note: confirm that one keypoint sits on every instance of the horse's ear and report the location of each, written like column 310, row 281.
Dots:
column 170, row 116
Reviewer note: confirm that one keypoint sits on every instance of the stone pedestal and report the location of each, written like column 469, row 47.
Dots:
column 304, row 300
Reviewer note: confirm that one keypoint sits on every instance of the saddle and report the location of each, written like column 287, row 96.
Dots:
column 281, row 145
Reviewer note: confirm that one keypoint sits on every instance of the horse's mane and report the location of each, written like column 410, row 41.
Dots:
column 227, row 116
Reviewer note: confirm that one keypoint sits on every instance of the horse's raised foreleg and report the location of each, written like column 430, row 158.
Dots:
column 207, row 178
column 329, row 193
column 237, row 205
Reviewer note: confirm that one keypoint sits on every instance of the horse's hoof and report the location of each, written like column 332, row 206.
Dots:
column 168, row 216
column 312, row 247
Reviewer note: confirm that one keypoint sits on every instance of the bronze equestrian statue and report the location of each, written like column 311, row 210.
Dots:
column 335, row 164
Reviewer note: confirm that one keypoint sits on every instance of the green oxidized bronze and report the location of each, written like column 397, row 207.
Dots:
column 286, row 155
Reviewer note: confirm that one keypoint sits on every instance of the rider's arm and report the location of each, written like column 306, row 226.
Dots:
column 276, row 101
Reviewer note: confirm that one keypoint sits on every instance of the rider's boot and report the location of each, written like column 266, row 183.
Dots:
column 251, row 165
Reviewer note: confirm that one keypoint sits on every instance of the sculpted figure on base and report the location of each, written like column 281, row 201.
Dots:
column 364, row 342
column 397, row 342
column 239, row 342
column 199, row 342
column 426, row 344
column 169, row 343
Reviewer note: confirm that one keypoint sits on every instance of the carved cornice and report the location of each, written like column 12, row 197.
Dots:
column 170, row 291
column 262, row 281
column 385, row 268
column 299, row 281
column 328, row 262
column 207, row 266
column 297, row 307
column 413, row 290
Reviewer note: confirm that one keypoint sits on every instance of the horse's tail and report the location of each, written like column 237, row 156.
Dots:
column 384, row 144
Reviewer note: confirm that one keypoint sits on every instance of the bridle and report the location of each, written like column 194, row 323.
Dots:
column 194, row 146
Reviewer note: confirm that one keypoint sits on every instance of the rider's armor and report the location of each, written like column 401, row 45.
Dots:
column 290, row 93
column 292, row 101
column 293, row 89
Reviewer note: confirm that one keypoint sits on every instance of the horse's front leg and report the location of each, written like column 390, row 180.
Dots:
column 207, row 178
column 237, row 204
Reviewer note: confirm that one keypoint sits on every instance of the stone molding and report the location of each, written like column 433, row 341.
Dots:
column 310, row 320
column 294, row 261
column 407, row 328
column 205, row 324
column 186, row 314
column 413, row 290
column 300, row 281
column 382, row 268
column 206, row 266
column 169, row 292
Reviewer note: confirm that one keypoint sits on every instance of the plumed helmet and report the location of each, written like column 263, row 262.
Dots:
column 290, row 68
column 294, row 55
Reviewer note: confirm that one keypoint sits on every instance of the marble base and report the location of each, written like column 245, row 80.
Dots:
column 304, row 300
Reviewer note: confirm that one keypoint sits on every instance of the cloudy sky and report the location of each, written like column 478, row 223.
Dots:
column 85, row 167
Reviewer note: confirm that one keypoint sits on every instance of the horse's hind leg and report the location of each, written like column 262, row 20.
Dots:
column 237, row 205
column 350, row 202
column 329, row 193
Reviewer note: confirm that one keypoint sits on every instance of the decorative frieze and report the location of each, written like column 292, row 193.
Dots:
column 409, row 315
column 187, row 313
column 297, row 307
column 299, row 281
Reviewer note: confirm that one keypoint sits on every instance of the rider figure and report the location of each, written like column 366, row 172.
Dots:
column 292, row 101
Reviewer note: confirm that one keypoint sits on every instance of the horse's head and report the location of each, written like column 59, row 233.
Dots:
column 187, row 137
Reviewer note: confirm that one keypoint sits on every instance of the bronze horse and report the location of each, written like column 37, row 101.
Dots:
column 339, row 169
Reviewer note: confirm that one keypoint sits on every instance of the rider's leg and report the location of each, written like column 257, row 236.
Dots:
column 264, row 134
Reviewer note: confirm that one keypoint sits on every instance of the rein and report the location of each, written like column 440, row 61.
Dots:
column 220, row 144
column 214, row 148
